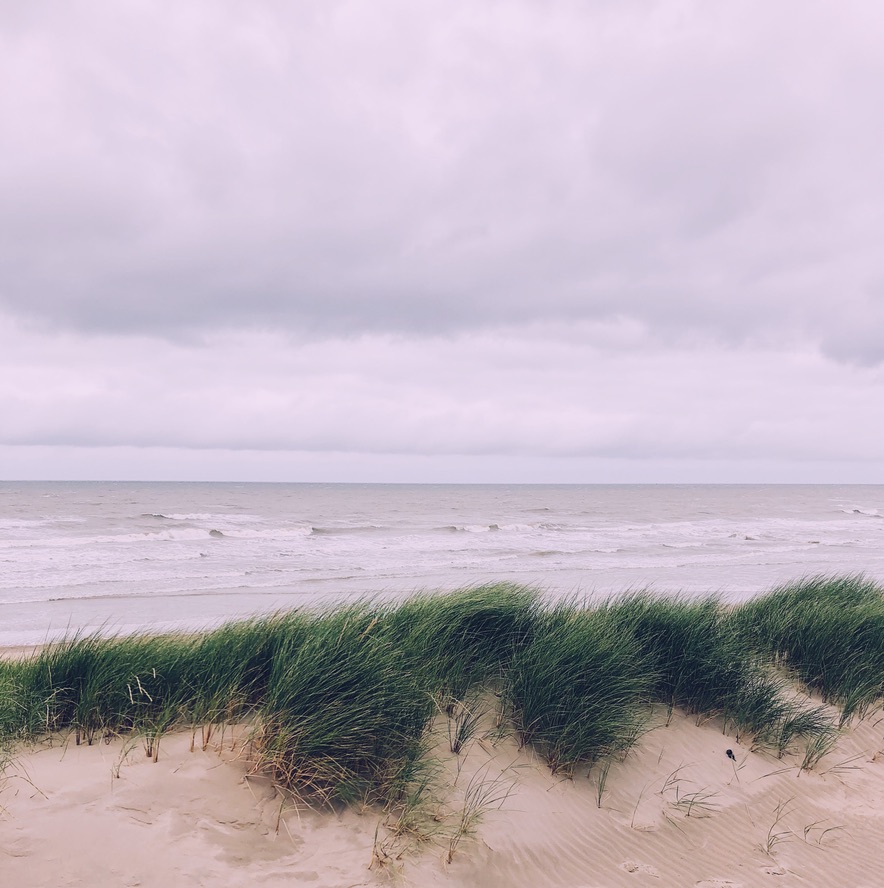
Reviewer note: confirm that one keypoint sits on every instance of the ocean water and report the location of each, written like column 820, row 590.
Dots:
column 126, row 556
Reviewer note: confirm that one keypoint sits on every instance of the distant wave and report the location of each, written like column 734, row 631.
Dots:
column 201, row 516
column 229, row 591
column 492, row 528
column 172, row 534
column 182, row 534
column 22, row 523
column 342, row 531
column 274, row 533
column 867, row 513
column 469, row 528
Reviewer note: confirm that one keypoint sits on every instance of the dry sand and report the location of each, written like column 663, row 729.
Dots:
column 677, row 812
column 20, row 652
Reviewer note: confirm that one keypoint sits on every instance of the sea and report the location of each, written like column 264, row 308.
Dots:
column 124, row 557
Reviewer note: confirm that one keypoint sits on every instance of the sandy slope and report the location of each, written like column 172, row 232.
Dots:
column 676, row 813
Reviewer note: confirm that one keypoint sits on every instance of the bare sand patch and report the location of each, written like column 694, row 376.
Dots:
column 676, row 812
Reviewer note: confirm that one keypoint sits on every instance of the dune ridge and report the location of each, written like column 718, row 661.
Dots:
column 479, row 738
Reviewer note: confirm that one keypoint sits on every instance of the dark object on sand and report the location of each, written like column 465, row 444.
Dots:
column 730, row 754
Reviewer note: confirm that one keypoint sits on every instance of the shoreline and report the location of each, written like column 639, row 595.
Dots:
column 21, row 651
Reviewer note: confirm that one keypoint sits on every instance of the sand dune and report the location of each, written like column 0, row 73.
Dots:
column 677, row 812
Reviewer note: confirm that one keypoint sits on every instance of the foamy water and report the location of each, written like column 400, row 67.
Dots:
column 77, row 556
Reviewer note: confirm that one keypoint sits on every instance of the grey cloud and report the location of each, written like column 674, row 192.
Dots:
column 330, row 168
column 542, row 393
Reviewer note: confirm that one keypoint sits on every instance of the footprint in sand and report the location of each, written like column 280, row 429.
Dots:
column 19, row 847
column 632, row 867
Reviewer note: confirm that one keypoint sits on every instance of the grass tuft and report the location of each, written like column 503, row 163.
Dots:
column 827, row 631
column 344, row 717
column 579, row 689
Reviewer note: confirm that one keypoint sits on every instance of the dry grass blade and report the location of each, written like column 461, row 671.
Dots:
column 775, row 834
column 482, row 794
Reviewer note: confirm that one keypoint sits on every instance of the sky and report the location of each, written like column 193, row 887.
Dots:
column 464, row 240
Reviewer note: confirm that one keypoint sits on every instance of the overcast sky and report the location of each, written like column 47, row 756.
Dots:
column 533, row 240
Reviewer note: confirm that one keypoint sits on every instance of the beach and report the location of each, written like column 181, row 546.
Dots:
column 676, row 812
column 471, row 739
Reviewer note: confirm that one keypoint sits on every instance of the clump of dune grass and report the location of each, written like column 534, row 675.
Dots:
column 94, row 685
column 99, row 686
column 578, row 690
column 702, row 665
column 455, row 641
column 696, row 664
column 231, row 666
column 829, row 632
column 344, row 717
column 13, row 713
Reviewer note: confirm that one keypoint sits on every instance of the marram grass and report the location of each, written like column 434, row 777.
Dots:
column 829, row 631
column 344, row 715
column 580, row 688
column 339, row 702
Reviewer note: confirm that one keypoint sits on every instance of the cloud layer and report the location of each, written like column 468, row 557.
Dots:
column 640, row 229
column 587, row 391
